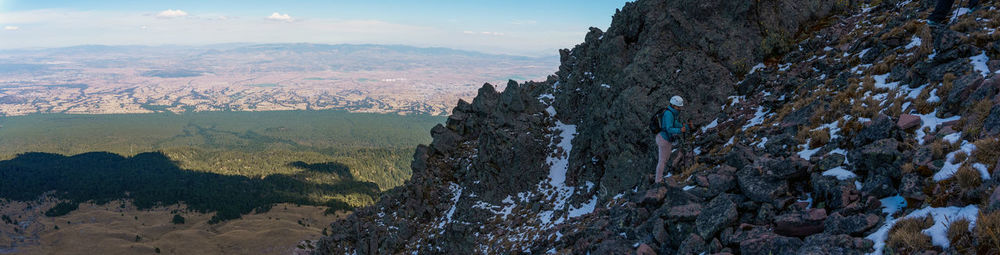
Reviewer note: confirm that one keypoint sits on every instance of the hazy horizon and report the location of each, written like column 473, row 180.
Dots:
column 526, row 28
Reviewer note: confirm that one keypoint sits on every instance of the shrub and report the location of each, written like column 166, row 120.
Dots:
column 818, row 138
column 909, row 167
column 178, row 219
column 906, row 235
column 61, row 209
column 967, row 177
column 960, row 237
column 987, row 232
column 987, row 151
column 959, row 157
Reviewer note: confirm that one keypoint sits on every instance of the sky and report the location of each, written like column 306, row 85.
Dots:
column 517, row 27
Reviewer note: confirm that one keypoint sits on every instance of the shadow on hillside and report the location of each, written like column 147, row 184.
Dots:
column 152, row 179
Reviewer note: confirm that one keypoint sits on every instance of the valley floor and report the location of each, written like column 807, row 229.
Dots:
column 119, row 228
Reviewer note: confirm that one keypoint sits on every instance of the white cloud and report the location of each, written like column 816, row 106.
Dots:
column 280, row 17
column 171, row 13
column 483, row 33
column 523, row 22
column 10, row 28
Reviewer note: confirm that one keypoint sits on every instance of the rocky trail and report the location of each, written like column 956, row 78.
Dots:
column 825, row 127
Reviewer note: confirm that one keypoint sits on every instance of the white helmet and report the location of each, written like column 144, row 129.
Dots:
column 677, row 100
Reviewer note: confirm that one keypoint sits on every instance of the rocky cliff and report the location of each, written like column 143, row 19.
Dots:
column 822, row 125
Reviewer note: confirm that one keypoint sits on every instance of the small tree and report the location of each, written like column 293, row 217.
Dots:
column 178, row 219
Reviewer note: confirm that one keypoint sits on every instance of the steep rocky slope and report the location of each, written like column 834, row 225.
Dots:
column 822, row 124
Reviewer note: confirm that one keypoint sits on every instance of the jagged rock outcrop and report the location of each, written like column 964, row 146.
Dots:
column 807, row 151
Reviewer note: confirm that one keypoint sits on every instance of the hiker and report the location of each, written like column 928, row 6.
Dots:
column 943, row 9
column 669, row 128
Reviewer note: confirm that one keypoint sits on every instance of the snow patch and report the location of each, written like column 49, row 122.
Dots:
column 931, row 121
column 880, row 82
column 950, row 167
column 979, row 63
column 840, row 173
column 952, row 138
column 914, row 42
column 714, row 123
column 756, row 67
column 757, row 119
column 807, row 153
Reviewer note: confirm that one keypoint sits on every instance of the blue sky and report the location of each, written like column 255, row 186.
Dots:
column 519, row 27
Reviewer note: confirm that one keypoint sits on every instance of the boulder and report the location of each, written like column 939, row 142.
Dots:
column 721, row 182
column 994, row 201
column 644, row 249
column 881, row 127
column 759, row 187
column 831, row 161
column 800, row 224
column 718, row 214
column 834, row 193
column 780, row 145
column 908, row 121
column 992, row 123
column 654, row 197
column 879, row 158
column 912, row 186
column 445, row 140
column 834, row 244
column 986, row 90
column 770, row 243
column 739, row 157
column 694, row 244
column 960, row 91
column 856, row 224
column 878, row 185
column 685, row 212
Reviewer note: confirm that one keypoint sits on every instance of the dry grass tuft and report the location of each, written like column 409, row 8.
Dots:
column 960, row 237
column 946, row 84
column 906, row 235
column 921, row 104
column 943, row 193
column 987, row 232
column 819, row 138
column 940, row 148
column 908, row 168
column 972, row 122
column 925, row 171
column 987, row 151
column 967, row 177
column 960, row 157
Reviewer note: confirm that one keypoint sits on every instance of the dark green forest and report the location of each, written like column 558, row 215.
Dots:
column 230, row 163
column 151, row 179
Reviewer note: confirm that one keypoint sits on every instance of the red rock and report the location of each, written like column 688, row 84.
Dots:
column 946, row 130
column 655, row 196
column 907, row 121
column 950, row 123
column 798, row 224
column 702, row 180
column 685, row 212
column 816, row 214
column 644, row 249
